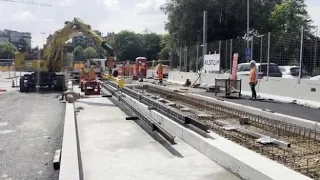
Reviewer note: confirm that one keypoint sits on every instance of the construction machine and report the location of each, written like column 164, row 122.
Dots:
column 47, row 69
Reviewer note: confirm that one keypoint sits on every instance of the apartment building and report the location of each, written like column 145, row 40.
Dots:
column 14, row 36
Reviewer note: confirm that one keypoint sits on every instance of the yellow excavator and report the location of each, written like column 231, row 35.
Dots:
column 46, row 70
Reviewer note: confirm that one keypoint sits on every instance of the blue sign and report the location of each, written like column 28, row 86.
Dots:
column 248, row 54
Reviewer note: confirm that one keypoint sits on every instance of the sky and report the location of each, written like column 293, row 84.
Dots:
column 103, row 15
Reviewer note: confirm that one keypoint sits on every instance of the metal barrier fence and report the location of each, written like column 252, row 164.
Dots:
column 283, row 49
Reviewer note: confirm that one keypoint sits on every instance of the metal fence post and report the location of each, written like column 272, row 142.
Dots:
column 197, row 60
column 180, row 58
column 252, row 48
column 231, row 57
column 186, row 60
column 226, row 58
column 268, row 56
column 220, row 56
column 301, row 51
column 315, row 50
column 261, row 49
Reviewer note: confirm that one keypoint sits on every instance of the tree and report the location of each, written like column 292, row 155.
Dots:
column 127, row 45
column 89, row 53
column 78, row 53
column 288, row 18
column 290, row 15
column 151, row 45
column 225, row 19
column 7, row 50
column 164, row 54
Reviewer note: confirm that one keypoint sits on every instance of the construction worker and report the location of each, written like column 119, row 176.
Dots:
column 92, row 74
column 253, row 79
column 141, row 68
column 82, row 77
column 160, row 71
column 82, row 74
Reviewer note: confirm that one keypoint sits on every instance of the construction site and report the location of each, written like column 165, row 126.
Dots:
column 128, row 120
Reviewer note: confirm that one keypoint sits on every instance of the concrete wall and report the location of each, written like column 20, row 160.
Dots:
column 273, row 86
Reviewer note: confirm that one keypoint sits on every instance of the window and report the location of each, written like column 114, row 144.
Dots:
column 295, row 72
column 243, row 67
column 272, row 68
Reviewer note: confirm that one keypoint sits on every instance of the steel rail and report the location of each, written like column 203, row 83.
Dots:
column 141, row 115
column 168, row 111
column 255, row 120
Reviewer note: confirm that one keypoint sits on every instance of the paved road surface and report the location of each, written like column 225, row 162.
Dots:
column 31, row 127
column 283, row 108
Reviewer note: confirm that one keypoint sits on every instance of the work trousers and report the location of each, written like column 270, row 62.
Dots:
column 253, row 90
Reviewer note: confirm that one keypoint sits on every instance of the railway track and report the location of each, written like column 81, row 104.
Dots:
column 291, row 145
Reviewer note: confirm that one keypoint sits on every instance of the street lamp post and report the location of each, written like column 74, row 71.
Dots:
column 248, row 21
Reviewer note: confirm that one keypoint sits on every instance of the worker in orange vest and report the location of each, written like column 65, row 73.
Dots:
column 82, row 76
column 92, row 74
column 160, row 71
column 141, row 70
column 253, row 79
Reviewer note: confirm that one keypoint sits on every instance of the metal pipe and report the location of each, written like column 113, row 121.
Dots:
column 248, row 21
column 315, row 49
column 301, row 51
column 231, row 57
column 197, row 60
column 204, row 41
column 268, row 56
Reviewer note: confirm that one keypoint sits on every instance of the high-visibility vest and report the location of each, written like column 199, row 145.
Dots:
column 92, row 74
column 82, row 74
column 160, row 74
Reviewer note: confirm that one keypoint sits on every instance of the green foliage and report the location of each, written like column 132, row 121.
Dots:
column 316, row 72
column 90, row 52
column 290, row 15
column 78, row 53
column 164, row 54
column 127, row 45
column 151, row 45
column 7, row 50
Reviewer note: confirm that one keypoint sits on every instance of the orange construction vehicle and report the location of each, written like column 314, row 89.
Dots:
column 89, row 84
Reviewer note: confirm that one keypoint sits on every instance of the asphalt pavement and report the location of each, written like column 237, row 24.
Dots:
column 31, row 129
column 283, row 108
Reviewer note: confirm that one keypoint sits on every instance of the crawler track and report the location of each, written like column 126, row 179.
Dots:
column 303, row 155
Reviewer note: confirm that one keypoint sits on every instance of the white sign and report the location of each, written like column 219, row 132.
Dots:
column 211, row 62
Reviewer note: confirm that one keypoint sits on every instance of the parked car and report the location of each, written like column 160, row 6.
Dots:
column 293, row 72
column 243, row 69
column 315, row 78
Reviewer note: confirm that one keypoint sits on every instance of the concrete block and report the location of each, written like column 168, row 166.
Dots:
column 305, row 90
column 69, row 167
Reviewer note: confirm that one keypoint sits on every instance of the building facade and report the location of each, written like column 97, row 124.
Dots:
column 80, row 39
column 14, row 36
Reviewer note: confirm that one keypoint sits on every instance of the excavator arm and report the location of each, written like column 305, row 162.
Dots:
column 53, row 48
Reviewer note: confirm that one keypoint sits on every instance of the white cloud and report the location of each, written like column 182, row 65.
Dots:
column 25, row 17
column 313, row 7
column 103, row 15
column 149, row 6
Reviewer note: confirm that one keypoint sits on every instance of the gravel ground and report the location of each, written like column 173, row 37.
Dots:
column 31, row 129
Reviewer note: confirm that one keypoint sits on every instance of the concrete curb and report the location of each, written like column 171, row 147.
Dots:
column 69, row 166
column 275, row 116
column 237, row 159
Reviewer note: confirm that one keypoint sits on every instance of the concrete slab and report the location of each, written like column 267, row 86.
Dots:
column 241, row 161
column 114, row 148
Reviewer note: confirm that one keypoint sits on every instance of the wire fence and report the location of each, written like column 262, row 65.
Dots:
column 283, row 49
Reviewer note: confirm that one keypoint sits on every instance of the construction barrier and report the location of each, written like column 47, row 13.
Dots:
column 6, row 68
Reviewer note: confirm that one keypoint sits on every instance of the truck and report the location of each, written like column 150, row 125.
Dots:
column 46, row 71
